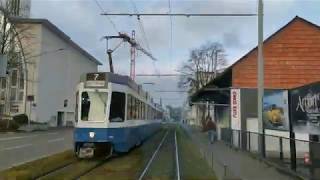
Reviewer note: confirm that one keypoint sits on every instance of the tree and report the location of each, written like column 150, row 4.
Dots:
column 174, row 112
column 11, row 46
column 202, row 66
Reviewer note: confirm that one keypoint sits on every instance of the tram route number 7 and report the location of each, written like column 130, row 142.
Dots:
column 96, row 77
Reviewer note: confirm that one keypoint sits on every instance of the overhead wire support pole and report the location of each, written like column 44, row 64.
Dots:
column 178, row 14
column 260, row 83
column 133, row 58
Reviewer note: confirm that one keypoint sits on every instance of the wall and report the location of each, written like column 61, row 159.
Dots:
column 291, row 59
column 31, row 43
column 59, row 73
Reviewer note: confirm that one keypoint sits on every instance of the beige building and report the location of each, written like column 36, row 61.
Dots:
column 43, row 84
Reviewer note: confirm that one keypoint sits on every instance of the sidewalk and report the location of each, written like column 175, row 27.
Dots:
column 232, row 164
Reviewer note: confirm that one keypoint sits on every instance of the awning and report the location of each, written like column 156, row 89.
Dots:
column 216, row 95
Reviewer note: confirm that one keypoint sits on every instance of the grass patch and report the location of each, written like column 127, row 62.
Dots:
column 192, row 166
column 163, row 166
column 38, row 167
column 73, row 171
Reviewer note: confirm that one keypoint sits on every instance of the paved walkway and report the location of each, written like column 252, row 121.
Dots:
column 232, row 164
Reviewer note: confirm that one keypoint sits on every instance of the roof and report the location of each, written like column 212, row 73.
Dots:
column 58, row 32
column 222, row 79
column 297, row 18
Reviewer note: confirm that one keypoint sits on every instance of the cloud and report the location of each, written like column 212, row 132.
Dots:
column 81, row 20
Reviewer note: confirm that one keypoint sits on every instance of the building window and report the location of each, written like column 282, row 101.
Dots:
column 1, row 109
column 3, row 83
column 13, row 95
column 21, row 80
column 65, row 103
column 14, row 77
column 2, row 95
column 20, row 96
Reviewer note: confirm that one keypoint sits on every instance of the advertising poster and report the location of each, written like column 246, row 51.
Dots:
column 305, row 109
column 235, row 109
column 276, row 110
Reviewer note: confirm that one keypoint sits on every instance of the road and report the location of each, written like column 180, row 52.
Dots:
column 18, row 148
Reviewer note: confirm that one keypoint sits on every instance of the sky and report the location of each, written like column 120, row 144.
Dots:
column 83, row 22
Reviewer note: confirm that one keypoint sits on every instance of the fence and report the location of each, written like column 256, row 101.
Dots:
column 277, row 150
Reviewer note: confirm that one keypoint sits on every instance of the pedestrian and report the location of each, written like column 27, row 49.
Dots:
column 211, row 129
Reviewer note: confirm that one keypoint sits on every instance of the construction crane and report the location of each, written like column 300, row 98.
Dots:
column 134, row 46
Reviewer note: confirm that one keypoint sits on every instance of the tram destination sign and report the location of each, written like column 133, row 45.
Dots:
column 96, row 79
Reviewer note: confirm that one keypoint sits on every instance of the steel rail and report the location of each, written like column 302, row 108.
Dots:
column 152, row 157
column 177, row 156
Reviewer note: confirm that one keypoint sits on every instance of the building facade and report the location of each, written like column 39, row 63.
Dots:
column 45, row 89
column 291, row 56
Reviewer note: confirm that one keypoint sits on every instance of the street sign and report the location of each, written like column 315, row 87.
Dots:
column 3, row 65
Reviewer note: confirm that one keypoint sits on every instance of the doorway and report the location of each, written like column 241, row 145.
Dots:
column 60, row 118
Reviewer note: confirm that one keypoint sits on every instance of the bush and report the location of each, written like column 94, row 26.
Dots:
column 20, row 119
column 12, row 125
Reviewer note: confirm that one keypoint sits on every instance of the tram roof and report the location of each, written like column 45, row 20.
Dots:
column 123, row 80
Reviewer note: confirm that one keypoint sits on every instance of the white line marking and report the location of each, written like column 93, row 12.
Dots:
column 16, row 137
column 152, row 157
column 52, row 133
column 16, row 147
column 177, row 156
column 55, row 140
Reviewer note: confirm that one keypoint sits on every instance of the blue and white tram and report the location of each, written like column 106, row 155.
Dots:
column 113, row 114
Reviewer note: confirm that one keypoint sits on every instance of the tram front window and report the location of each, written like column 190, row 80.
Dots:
column 93, row 106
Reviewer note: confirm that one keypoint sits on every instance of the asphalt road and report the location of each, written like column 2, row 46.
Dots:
column 18, row 148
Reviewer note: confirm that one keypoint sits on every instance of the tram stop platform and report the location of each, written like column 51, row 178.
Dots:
column 231, row 164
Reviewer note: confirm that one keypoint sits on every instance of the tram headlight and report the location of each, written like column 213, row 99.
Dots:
column 92, row 134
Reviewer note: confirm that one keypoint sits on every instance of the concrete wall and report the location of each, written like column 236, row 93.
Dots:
column 59, row 73
column 31, row 41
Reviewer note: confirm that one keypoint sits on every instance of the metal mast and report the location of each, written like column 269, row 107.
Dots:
column 260, row 78
column 133, row 57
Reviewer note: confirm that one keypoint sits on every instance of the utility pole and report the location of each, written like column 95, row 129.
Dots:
column 260, row 79
column 109, row 52
column 133, row 58
column 134, row 46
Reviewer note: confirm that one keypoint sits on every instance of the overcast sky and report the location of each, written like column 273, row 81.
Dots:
column 81, row 20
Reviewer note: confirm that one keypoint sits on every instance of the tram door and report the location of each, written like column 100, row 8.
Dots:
column 60, row 118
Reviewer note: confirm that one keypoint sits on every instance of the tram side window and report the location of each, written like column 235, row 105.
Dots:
column 139, row 109
column 129, row 107
column 144, row 110
column 76, row 108
column 117, row 107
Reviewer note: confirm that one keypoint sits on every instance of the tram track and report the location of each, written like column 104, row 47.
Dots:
column 64, row 171
column 118, row 166
column 160, row 164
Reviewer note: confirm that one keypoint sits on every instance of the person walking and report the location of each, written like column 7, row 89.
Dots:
column 211, row 129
